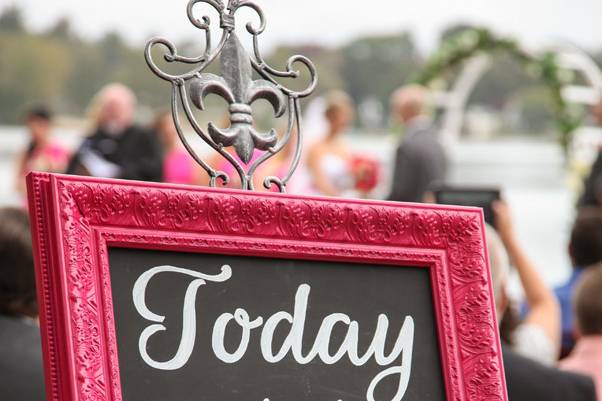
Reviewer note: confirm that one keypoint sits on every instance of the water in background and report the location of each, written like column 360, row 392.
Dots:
column 530, row 173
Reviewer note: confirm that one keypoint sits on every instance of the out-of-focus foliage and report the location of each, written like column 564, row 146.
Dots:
column 467, row 43
column 369, row 68
column 533, row 109
column 11, row 20
column 31, row 69
column 59, row 68
column 376, row 66
column 505, row 77
column 328, row 63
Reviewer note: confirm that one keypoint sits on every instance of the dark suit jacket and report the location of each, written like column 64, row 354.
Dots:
column 135, row 151
column 528, row 380
column 21, row 371
column 420, row 162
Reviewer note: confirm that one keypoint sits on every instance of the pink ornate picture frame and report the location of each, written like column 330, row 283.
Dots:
column 76, row 220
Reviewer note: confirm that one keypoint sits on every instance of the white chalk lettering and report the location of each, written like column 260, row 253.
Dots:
column 219, row 329
column 188, row 313
column 293, row 342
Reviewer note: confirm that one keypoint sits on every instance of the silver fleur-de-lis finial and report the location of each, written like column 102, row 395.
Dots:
column 237, row 87
column 239, row 90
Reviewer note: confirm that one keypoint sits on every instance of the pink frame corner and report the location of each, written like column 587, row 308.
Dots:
column 75, row 219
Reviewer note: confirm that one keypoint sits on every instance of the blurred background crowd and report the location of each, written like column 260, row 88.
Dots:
column 476, row 119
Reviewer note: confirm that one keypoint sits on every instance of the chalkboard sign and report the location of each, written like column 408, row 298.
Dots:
column 172, row 293
column 357, row 332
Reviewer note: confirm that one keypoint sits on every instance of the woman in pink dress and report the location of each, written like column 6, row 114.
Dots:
column 178, row 166
column 42, row 154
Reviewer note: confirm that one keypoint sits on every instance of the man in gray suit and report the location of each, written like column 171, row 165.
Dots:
column 420, row 160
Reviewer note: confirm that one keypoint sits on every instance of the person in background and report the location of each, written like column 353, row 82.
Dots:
column 527, row 379
column 586, row 357
column 537, row 336
column 592, row 188
column 420, row 160
column 21, row 371
column 585, row 249
column 118, row 148
column 42, row 154
column 178, row 165
column 329, row 159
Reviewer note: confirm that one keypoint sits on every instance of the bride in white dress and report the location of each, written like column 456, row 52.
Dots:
column 329, row 159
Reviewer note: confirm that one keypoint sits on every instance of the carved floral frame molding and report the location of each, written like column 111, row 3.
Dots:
column 76, row 219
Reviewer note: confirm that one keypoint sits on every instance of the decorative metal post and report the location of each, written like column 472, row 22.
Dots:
column 237, row 87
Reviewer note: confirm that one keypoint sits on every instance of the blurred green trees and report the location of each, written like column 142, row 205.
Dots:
column 59, row 68
column 375, row 66
column 31, row 69
column 11, row 20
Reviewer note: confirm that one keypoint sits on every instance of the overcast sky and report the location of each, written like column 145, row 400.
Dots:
column 536, row 22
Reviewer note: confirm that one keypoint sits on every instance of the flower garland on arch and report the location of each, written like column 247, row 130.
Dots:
column 545, row 67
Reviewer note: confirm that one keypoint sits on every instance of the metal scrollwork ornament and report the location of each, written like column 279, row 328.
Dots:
column 238, row 88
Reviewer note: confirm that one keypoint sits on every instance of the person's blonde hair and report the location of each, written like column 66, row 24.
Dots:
column 98, row 100
column 337, row 101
